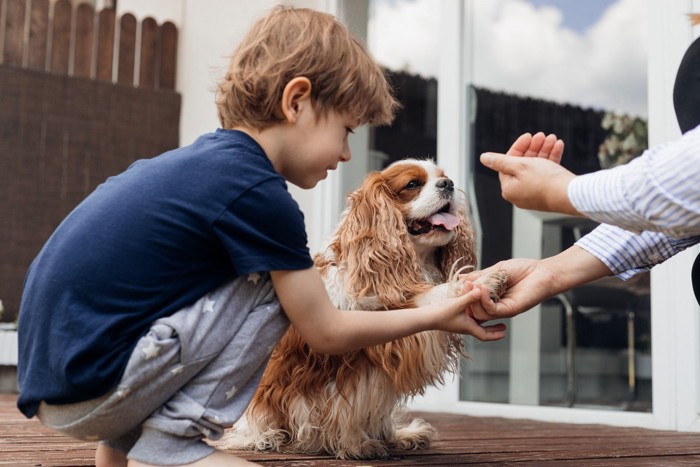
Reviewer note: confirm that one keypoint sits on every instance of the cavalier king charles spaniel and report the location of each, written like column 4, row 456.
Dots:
column 401, row 242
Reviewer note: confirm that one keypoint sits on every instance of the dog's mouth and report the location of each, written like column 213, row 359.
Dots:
column 441, row 220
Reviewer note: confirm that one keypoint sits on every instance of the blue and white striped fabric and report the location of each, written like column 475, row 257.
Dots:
column 649, row 208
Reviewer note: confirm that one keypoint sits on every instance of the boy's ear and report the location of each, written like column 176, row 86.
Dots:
column 294, row 97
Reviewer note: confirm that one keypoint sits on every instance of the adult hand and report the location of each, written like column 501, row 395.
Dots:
column 539, row 145
column 528, row 284
column 538, row 183
column 531, row 281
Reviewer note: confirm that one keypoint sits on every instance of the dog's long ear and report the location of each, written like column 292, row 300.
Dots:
column 461, row 251
column 373, row 248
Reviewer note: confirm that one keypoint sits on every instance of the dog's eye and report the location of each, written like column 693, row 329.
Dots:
column 412, row 185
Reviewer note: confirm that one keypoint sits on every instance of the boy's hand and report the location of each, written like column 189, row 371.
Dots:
column 455, row 315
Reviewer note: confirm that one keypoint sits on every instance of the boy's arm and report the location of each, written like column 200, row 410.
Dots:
column 329, row 330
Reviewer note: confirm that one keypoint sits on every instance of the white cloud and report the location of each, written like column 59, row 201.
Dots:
column 525, row 50
column 403, row 35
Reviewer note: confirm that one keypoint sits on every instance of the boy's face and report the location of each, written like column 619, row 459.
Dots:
column 318, row 146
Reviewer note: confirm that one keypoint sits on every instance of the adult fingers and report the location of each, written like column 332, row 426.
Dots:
column 520, row 146
column 498, row 162
column 535, row 145
column 557, row 151
column 547, row 146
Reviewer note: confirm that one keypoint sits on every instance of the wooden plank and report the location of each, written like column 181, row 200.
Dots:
column 14, row 32
column 462, row 440
column 60, row 37
column 168, row 56
column 84, row 40
column 127, row 49
column 38, row 35
column 149, row 52
column 105, row 44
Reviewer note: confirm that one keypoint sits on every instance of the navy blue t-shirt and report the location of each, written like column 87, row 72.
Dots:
column 143, row 245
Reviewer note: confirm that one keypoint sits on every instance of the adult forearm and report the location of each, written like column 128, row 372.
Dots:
column 573, row 267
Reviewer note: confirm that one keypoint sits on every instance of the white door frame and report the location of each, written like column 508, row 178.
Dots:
column 675, row 322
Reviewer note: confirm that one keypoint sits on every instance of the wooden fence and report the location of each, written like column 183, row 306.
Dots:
column 82, row 95
column 59, row 37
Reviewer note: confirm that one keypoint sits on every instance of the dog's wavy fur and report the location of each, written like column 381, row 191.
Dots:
column 352, row 406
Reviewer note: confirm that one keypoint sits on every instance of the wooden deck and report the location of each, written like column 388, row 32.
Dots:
column 462, row 440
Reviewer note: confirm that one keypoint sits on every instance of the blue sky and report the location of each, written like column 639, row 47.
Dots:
column 591, row 53
column 578, row 15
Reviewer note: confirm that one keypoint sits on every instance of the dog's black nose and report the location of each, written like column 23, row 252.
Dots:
column 445, row 184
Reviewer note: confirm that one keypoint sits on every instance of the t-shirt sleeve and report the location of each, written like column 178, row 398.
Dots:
column 263, row 230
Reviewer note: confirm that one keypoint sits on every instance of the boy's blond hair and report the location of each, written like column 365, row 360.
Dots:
column 291, row 42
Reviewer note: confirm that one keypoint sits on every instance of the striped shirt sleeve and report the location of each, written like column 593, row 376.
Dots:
column 649, row 208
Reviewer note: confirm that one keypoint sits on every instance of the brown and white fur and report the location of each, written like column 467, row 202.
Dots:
column 401, row 234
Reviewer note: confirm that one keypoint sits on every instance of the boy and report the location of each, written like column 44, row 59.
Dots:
column 148, row 317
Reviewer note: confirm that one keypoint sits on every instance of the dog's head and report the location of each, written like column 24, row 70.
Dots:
column 405, row 227
column 425, row 196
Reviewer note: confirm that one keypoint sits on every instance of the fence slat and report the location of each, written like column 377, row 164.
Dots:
column 60, row 38
column 127, row 48
column 105, row 45
column 149, row 50
column 14, row 32
column 168, row 56
column 84, row 37
column 38, row 34
column 63, row 38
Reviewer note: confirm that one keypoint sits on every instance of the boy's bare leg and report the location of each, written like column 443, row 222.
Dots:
column 215, row 459
column 108, row 457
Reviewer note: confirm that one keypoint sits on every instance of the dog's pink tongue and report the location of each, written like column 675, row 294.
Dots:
column 444, row 219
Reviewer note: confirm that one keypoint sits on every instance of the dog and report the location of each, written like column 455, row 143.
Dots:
column 401, row 241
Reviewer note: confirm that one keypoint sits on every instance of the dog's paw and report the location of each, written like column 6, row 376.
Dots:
column 368, row 449
column 496, row 283
column 243, row 440
column 416, row 435
column 456, row 286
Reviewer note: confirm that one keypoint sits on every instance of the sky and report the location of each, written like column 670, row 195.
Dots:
column 590, row 53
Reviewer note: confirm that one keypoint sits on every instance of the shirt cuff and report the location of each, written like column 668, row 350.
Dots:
column 625, row 253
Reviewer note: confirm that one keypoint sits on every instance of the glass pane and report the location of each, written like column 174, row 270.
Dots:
column 577, row 69
column 403, row 37
column 574, row 68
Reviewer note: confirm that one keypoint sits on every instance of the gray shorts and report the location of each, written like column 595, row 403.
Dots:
column 191, row 376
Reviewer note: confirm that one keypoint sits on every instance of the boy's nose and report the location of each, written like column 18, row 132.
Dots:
column 345, row 155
